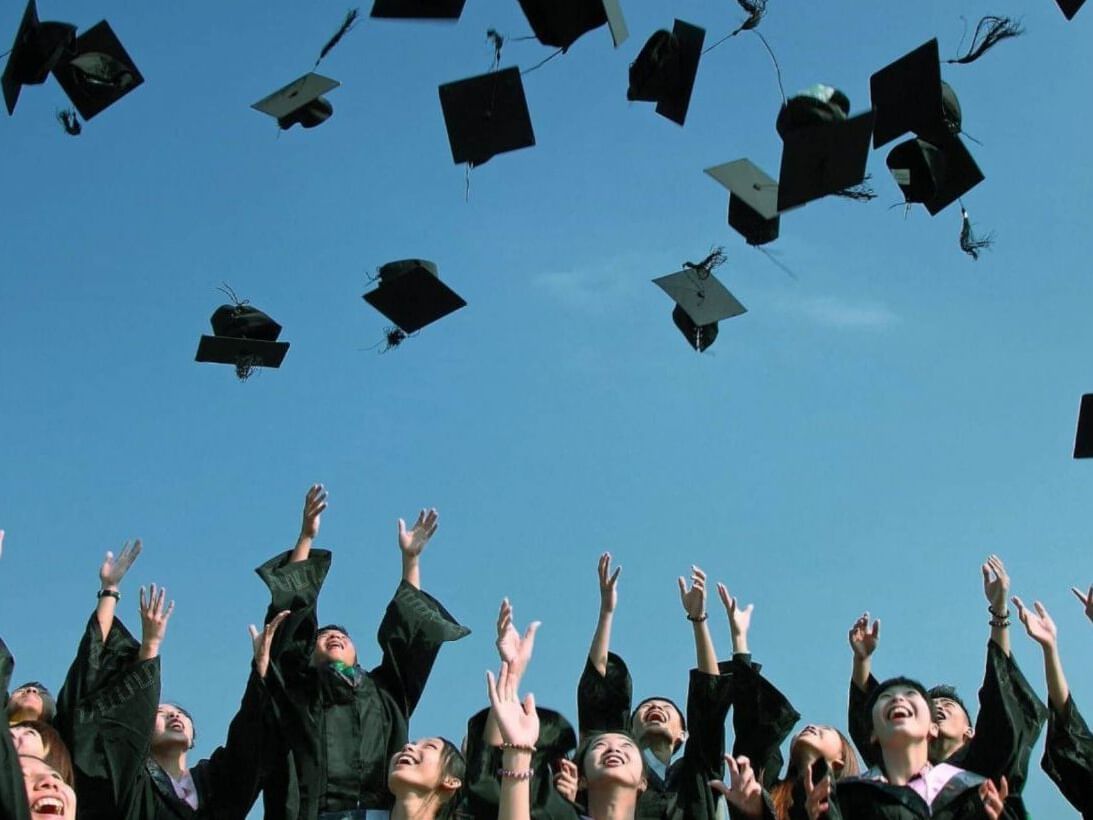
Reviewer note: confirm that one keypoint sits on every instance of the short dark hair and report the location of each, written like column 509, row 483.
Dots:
column 948, row 692
column 186, row 712
column 49, row 705
column 901, row 680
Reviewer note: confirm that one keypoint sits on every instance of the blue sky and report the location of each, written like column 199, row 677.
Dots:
column 860, row 439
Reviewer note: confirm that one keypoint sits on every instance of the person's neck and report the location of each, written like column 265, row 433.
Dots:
column 613, row 803
column 904, row 761
column 945, row 747
column 415, row 806
column 19, row 715
column 172, row 760
column 661, row 747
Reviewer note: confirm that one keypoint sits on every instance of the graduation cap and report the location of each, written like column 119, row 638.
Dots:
column 411, row 294
column 300, row 102
column 1070, row 7
column 665, row 69
column 1083, row 439
column 560, row 23
column 244, row 337
column 824, row 150
column 753, row 200
column 701, row 302
column 37, row 48
column 909, row 95
column 419, row 9
column 935, row 175
column 486, row 115
column 97, row 71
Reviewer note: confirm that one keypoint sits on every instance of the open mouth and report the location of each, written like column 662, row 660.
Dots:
column 48, row 805
column 405, row 759
column 612, row 759
column 654, row 714
column 176, row 725
column 899, row 711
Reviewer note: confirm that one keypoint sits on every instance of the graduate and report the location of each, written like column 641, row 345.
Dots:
column 38, row 739
column 1011, row 715
column 680, row 766
column 31, row 701
column 1068, row 754
column 904, row 785
column 340, row 724
column 425, row 777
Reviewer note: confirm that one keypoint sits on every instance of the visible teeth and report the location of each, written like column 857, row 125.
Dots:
column 48, row 805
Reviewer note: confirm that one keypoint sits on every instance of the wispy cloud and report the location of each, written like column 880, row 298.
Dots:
column 831, row 311
column 593, row 289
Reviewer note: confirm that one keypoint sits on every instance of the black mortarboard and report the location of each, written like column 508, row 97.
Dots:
column 37, row 48
column 411, row 294
column 753, row 200
column 665, row 69
column 486, row 115
column 1083, row 439
column 419, row 9
column 824, row 150
column 97, row 71
column 701, row 302
column 1070, row 7
column 300, row 102
column 243, row 336
column 559, row 23
column 909, row 95
column 935, row 175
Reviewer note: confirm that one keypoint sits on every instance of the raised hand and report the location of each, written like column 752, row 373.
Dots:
column 1039, row 625
column 863, row 638
column 1086, row 599
column 694, row 597
column 739, row 619
column 514, row 649
column 996, row 585
column 609, row 584
column 154, row 614
column 113, row 569
column 565, row 779
column 262, row 640
column 412, row 541
column 314, row 504
column 518, row 721
column 994, row 797
column 817, row 795
column 743, row 791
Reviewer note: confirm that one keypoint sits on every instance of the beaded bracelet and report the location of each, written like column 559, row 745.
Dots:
column 511, row 774
column 999, row 623
column 699, row 619
column 516, row 747
column 1000, row 615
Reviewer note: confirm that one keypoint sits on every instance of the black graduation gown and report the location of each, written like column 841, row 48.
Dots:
column 338, row 733
column 684, row 792
column 13, row 792
column 1010, row 720
column 1068, row 757
column 762, row 718
column 864, row 798
column 112, row 724
column 482, row 789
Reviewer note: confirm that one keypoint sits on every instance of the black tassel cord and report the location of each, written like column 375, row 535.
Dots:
column 755, row 10
column 989, row 32
column 969, row 242
column 862, row 192
column 347, row 25
column 715, row 259
column 70, row 122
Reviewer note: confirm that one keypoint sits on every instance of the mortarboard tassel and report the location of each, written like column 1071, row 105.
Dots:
column 347, row 25
column 498, row 42
column 969, row 243
column 862, row 192
column 70, row 122
column 715, row 259
column 755, row 9
column 245, row 365
column 989, row 32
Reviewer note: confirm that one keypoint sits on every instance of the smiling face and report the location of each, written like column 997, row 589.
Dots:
column 425, row 765
column 900, row 715
column 657, row 717
column 334, row 645
column 613, row 759
column 28, row 741
column 48, row 796
column 172, row 729
column 952, row 721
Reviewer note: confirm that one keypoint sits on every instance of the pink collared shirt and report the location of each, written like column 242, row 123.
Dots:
column 186, row 790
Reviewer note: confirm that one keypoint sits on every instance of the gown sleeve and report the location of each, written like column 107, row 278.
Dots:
column 604, row 701
column 294, row 586
column 762, row 718
column 708, row 700
column 1068, row 756
column 13, row 793
column 860, row 722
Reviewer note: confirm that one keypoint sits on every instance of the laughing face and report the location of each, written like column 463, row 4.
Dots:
column 173, row 728
column 952, row 722
column 333, row 645
column 614, row 758
column 48, row 796
column 420, row 765
column 657, row 717
column 901, row 712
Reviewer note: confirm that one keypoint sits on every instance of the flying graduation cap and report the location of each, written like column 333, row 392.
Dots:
column 753, row 200
column 244, row 337
column 38, row 47
column 701, row 300
column 665, row 69
column 411, row 294
column 486, row 115
column 419, row 9
column 1083, row 439
column 96, row 71
column 824, row 149
column 1070, row 7
column 560, row 23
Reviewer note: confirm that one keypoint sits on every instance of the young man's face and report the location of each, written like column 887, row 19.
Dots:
column 952, row 722
column 614, row 757
column 27, row 703
column 172, row 727
column 657, row 718
column 332, row 645
column 901, row 715
column 48, row 796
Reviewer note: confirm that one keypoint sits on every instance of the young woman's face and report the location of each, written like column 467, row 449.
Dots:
column 27, row 701
column 614, row 758
column 48, row 796
column 902, row 712
column 420, row 764
column 27, row 741
column 823, row 740
column 172, row 726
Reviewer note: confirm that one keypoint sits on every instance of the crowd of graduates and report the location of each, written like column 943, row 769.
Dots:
column 321, row 738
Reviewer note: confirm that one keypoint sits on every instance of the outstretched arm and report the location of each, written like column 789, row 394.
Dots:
column 411, row 544
column 1086, row 599
column 515, row 651
column 519, row 724
column 609, row 598
column 996, row 586
column 694, row 605
column 154, row 614
column 314, row 504
column 1041, row 628
column 863, row 643
column 111, row 574
column 739, row 620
